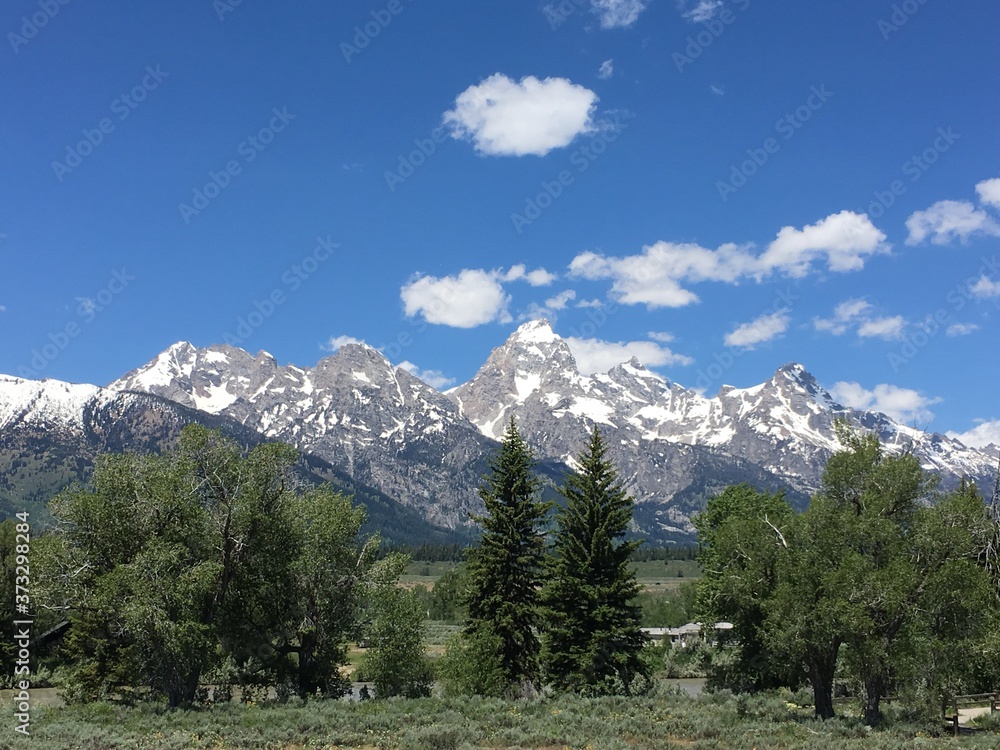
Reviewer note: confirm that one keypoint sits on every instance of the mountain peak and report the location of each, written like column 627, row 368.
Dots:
column 536, row 331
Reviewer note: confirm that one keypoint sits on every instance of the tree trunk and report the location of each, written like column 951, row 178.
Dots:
column 307, row 665
column 874, row 690
column 821, row 675
column 183, row 692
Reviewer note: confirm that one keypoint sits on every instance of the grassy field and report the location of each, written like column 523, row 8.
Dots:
column 654, row 576
column 664, row 719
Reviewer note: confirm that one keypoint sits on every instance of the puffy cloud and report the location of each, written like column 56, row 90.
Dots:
column 947, row 221
column 703, row 10
column 606, row 70
column 845, row 315
column 507, row 118
column 615, row 14
column 433, row 378
column 657, row 277
column 654, row 277
column 856, row 314
column 758, row 331
column 844, row 240
column 989, row 192
column 560, row 301
column 961, row 329
column 901, row 404
column 595, row 355
column 982, row 435
column 472, row 298
column 336, row 342
column 537, row 277
column 883, row 328
column 985, row 288
column 585, row 303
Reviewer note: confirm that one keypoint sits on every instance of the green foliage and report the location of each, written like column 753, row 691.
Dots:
column 662, row 719
column 505, row 569
column 445, row 600
column 329, row 577
column 870, row 567
column 8, row 556
column 593, row 640
column 395, row 659
column 472, row 665
column 177, row 565
column 671, row 609
column 740, row 548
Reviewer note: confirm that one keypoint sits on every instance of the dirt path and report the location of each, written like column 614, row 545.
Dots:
column 965, row 715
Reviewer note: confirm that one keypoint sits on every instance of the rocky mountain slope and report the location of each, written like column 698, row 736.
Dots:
column 380, row 430
column 51, row 432
column 780, row 432
column 382, row 426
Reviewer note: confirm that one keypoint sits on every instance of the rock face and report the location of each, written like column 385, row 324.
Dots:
column 51, row 433
column 676, row 445
column 381, row 431
column 381, row 425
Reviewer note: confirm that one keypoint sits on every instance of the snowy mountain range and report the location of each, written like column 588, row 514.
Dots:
column 425, row 451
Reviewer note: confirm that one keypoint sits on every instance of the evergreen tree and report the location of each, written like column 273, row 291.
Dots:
column 594, row 641
column 505, row 569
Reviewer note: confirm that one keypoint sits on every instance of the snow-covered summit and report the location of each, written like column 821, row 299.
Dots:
column 45, row 402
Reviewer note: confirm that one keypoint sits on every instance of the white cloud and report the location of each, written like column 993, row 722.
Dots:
column 433, row 378
column 845, row 315
column 989, row 192
column 717, row 90
column 704, row 10
column 550, row 307
column 947, row 221
column 654, row 277
column 883, row 328
column 590, row 303
column 980, row 436
column 606, row 70
column 537, row 277
column 560, row 301
column 844, row 240
column 758, row 331
column 985, row 288
column 857, row 314
column 961, row 329
column 615, row 14
column 595, row 355
column 470, row 299
column 336, row 342
column 901, row 404
column 506, row 118
column 662, row 336
column 657, row 276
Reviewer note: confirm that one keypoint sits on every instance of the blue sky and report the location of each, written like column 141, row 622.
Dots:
column 717, row 186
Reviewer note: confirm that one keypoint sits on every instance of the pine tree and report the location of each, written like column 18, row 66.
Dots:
column 593, row 642
column 505, row 569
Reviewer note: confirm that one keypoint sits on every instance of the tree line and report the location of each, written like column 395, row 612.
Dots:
column 206, row 564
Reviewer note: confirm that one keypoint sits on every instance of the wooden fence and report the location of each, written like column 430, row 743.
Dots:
column 968, row 701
